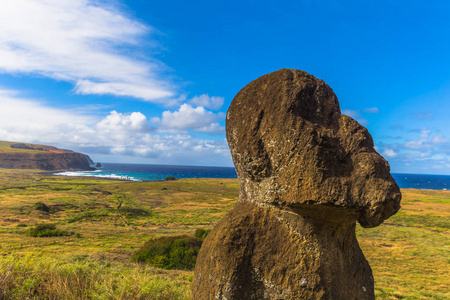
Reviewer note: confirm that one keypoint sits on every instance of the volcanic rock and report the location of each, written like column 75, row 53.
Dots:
column 307, row 173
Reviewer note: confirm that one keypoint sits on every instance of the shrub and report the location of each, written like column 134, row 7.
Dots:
column 42, row 207
column 136, row 212
column 179, row 252
column 170, row 178
column 47, row 230
column 201, row 233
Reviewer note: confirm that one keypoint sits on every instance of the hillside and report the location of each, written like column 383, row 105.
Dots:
column 41, row 157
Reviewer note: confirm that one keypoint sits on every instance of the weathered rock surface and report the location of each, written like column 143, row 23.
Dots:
column 307, row 173
column 41, row 157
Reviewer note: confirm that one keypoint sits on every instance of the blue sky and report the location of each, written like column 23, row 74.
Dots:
column 150, row 81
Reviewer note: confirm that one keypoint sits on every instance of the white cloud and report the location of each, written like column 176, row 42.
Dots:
column 117, row 135
column 438, row 139
column 204, row 100
column 188, row 117
column 136, row 89
column 168, row 149
column 115, row 121
column 81, row 41
column 426, row 149
column 389, row 153
column 213, row 128
column 372, row 110
column 421, row 143
column 27, row 120
column 119, row 127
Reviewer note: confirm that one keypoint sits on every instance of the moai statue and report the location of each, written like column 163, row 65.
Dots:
column 307, row 173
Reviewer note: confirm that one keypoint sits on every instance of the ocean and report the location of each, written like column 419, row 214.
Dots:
column 422, row 181
column 142, row 172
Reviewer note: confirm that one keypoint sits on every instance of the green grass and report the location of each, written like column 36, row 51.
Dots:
column 112, row 220
column 86, row 277
column 410, row 253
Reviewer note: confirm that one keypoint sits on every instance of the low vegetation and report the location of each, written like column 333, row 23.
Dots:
column 201, row 233
column 86, row 277
column 109, row 222
column 174, row 252
column 47, row 230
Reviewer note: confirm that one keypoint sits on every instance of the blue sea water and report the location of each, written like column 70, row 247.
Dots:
column 141, row 172
column 422, row 181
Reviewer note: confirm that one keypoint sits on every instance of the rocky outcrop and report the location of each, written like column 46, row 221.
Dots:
column 48, row 158
column 307, row 173
column 89, row 160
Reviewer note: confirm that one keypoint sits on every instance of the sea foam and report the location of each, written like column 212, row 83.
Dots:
column 96, row 173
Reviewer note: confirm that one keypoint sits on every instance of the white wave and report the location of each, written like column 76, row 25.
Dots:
column 119, row 177
column 96, row 174
column 76, row 173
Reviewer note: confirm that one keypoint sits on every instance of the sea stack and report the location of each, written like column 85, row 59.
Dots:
column 307, row 174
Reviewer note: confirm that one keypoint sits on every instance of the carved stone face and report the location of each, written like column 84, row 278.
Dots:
column 293, row 148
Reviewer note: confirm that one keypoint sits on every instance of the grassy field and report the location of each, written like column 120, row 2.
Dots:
column 5, row 147
column 107, row 221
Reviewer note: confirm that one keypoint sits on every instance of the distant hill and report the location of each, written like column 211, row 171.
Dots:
column 42, row 157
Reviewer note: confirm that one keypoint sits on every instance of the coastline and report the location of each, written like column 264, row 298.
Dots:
column 79, row 174
column 135, row 172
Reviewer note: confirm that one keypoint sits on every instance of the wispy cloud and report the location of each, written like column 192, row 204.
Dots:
column 426, row 141
column 372, row 110
column 427, row 151
column 85, row 42
column 424, row 115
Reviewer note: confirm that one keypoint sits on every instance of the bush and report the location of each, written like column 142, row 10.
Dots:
column 179, row 252
column 135, row 212
column 201, row 233
column 47, row 230
column 170, row 178
column 42, row 207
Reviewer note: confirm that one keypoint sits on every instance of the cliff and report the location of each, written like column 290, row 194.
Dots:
column 42, row 157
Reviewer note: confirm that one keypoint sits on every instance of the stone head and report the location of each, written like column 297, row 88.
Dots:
column 293, row 148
